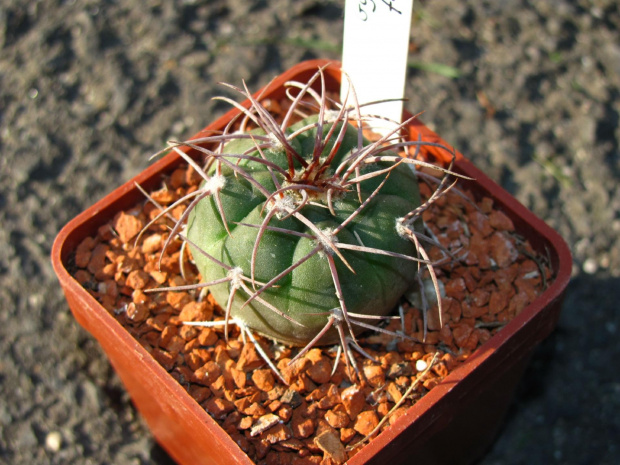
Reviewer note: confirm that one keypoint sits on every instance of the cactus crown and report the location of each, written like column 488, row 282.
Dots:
column 303, row 230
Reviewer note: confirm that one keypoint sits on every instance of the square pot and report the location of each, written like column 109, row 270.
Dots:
column 464, row 411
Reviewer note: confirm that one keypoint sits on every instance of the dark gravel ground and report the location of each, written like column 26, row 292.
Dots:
column 88, row 89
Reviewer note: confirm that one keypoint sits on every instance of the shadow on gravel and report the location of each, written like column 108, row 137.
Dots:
column 563, row 408
column 159, row 456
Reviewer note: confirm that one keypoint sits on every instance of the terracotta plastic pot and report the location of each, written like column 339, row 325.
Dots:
column 454, row 423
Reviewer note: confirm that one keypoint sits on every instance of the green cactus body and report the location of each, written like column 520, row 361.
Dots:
column 307, row 294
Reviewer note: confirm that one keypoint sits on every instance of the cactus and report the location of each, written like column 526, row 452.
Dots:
column 306, row 233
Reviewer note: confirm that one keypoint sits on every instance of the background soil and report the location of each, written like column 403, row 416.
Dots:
column 88, row 89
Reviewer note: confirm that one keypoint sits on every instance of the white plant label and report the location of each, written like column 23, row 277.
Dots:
column 374, row 54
